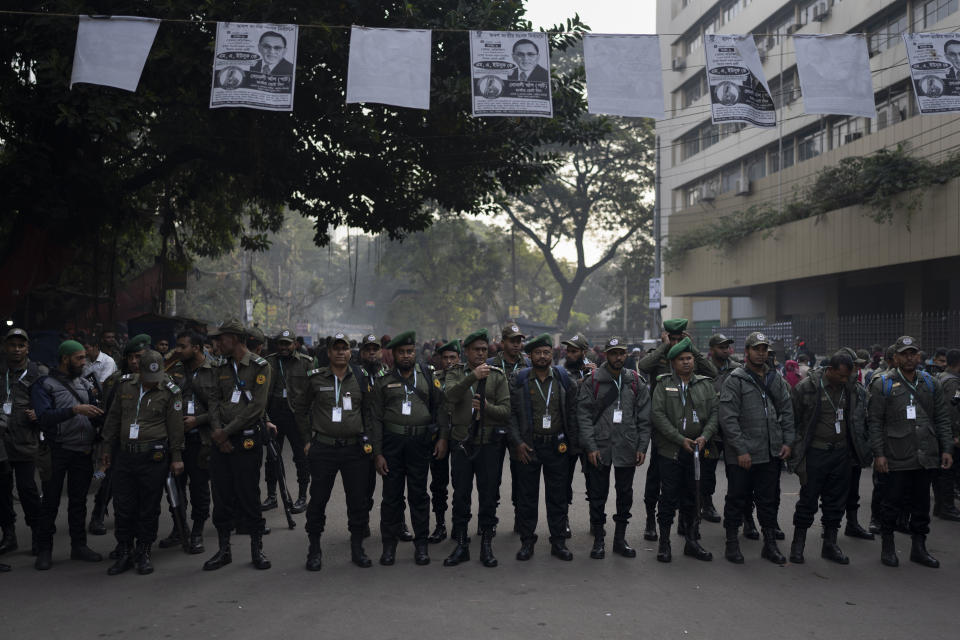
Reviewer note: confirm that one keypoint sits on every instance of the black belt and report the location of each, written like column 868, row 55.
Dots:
column 334, row 442
column 144, row 447
column 406, row 430
column 828, row 446
column 545, row 437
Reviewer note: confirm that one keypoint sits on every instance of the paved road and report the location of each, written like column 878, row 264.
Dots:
column 544, row 598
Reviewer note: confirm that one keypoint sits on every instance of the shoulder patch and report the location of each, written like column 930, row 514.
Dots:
column 258, row 360
column 178, row 405
column 364, row 371
column 662, row 376
column 313, row 372
column 261, row 379
column 126, row 377
column 173, row 388
column 436, row 383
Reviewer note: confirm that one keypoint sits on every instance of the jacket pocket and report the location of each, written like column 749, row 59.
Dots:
column 902, row 446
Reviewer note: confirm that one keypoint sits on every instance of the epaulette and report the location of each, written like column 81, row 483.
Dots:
column 313, row 372
column 126, row 377
column 173, row 388
column 258, row 360
column 364, row 372
column 496, row 368
column 663, row 375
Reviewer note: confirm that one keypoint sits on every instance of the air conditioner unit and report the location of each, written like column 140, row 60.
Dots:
column 743, row 186
column 821, row 12
column 794, row 28
column 679, row 64
column 708, row 193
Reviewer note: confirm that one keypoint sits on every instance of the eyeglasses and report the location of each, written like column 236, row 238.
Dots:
column 268, row 47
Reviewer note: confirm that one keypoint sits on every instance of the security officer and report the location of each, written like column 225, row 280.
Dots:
column 237, row 408
column 543, row 401
column 197, row 384
column 146, row 422
column 67, row 415
column 440, row 467
column 947, row 480
column 863, row 456
column 653, row 365
column 830, row 434
column 332, row 411
column 684, row 417
column 478, row 425
column 911, row 438
column 721, row 356
column 289, row 368
column 404, row 407
column 756, row 417
column 578, row 367
column 613, row 416
column 21, row 440
column 256, row 341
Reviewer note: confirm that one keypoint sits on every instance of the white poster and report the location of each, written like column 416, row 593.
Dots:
column 935, row 70
column 112, row 51
column 624, row 75
column 510, row 73
column 738, row 89
column 835, row 74
column 253, row 66
column 389, row 66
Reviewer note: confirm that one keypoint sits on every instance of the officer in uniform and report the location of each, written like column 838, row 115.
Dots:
column 912, row 439
column 332, row 411
column 831, row 435
column 613, row 416
column 440, row 467
column 862, row 457
column 237, row 408
column 404, row 407
column 21, row 440
column 146, row 426
column 721, row 356
column 289, row 368
column 543, row 401
column 947, row 481
column 684, row 417
column 256, row 341
column 653, row 365
column 578, row 367
column 476, row 443
column 756, row 417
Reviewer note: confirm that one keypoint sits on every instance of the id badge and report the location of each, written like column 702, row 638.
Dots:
column 683, row 425
column 7, row 408
column 696, row 418
column 911, row 412
column 191, row 407
column 347, row 403
column 235, row 397
column 134, row 431
column 406, row 408
column 284, row 393
column 617, row 416
column 337, row 414
column 836, row 425
column 546, row 423
column 840, row 414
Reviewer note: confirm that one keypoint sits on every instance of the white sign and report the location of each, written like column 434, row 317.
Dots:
column 655, row 293
column 510, row 73
column 738, row 89
column 112, row 51
column 935, row 70
column 254, row 66
column 248, row 307
column 389, row 66
column 624, row 76
column 835, row 74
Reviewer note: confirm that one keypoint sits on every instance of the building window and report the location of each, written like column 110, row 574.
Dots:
column 784, row 90
column 731, row 10
column 845, row 131
column 930, row 12
column 729, row 176
column 690, row 144
column 885, row 33
column 893, row 108
column 810, row 145
column 693, row 89
column 756, row 165
column 785, row 157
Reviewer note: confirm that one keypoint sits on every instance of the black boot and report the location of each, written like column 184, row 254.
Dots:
column 9, row 541
column 903, row 523
column 526, row 549
column 271, row 501
column 357, row 555
column 558, row 548
column 223, row 556
column 486, row 548
column 405, row 535
column 681, row 528
column 421, row 553
column 389, row 555
column 692, row 546
column 944, row 506
column 439, row 532
column 853, row 528
column 84, row 553
column 301, row 503
column 779, row 534
column 256, row 552
column 796, row 547
column 620, row 544
column 707, row 511
column 831, row 550
column 97, row 527
column 888, row 550
column 314, row 554
column 918, row 552
column 750, row 531
column 650, row 528
column 124, row 560
column 874, row 526
column 461, row 552
column 664, row 553
column 598, row 551
column 565, row 527
column 196, row 538
column 770, row 550
column 732, row 550
column 172, row 540
column 142, row 559
column 44, row 559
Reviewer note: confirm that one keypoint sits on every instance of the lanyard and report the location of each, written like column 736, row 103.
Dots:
column 336, row 390
column 283, row 378
column 683, row 394
column 913, row 389
column 406, row 389
column 843, row 394
column 139, row 400
column 516, row 365
column 236, row 375
column 618, row 382
column 546, row 398
column 18, row 380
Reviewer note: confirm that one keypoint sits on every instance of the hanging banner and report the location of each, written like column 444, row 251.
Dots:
column 935, row 70
column 112, row 50
column 510, row 73
column 389, row 66
column 835, row 74
column 253, row 66
column 738, row 89
column 624, row 76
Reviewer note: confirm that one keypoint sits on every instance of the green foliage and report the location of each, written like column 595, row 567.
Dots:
column 887, row 182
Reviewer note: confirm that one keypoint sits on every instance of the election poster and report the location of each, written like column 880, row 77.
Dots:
column 935, row 70
column 510, row 74
column 254, row 65
column 738, row 89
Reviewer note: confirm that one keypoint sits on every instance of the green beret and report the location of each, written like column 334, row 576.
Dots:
column 684, row 346
column 69, row 347
column 675, row 325
column 453, row 345
column 476, row 335
column 138, row 342
column 403, row 339
column 542, row 340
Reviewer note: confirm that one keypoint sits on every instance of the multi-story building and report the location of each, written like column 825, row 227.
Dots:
column 839, row 264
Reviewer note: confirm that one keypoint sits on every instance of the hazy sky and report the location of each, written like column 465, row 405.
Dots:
column 603, row 16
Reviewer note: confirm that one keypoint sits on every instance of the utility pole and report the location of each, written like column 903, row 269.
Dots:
column 656, row 231
column 625, row 306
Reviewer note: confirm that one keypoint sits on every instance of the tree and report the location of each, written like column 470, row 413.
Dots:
column 602, row 190
column 636, row 268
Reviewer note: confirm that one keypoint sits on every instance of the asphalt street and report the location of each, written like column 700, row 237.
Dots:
column 543, row 598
